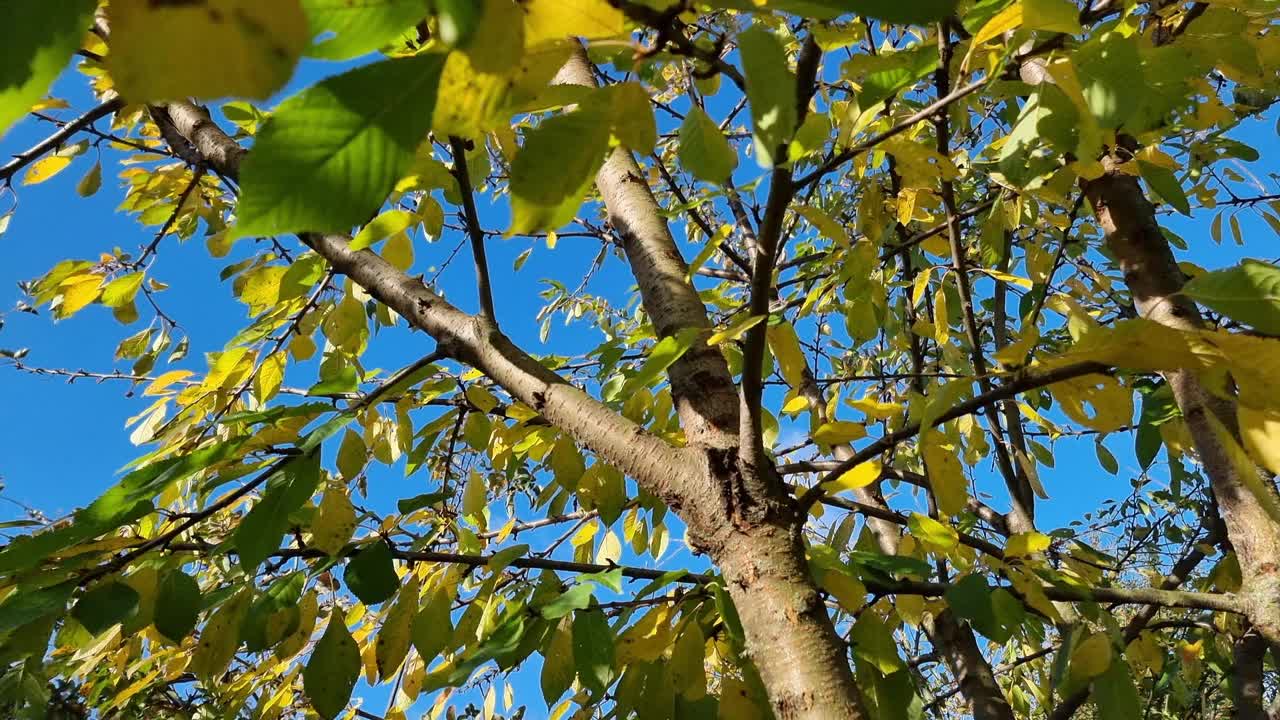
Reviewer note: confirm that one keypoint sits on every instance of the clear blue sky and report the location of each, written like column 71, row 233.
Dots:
column 61, row 444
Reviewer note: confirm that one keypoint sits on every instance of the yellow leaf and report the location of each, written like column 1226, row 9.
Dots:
column 1260, row 430
column 839, row 433
column 1091, row 657
column 211, row 48
column 932, row 534
column 219, row 639
column 735, row 331
column 1011, row 279
column 1112, row 402
column 269, row 378
column 162, row 382
column 647, row 639
column 825, row 224
column 946, row 475
column 551, row 20
column 399, row 251
column 859, row 476
column 847, row 590
column 797, row 404
column 481, row 398
column 876, row 409
column 122, row 290
column 382, row 227
column 334, row 522
column 1000, row 23
column 44, row 169
column 1027, row 543
column 785, row 346
column 736, row 702
column 308, row 610
column 394, row 636
column 1144, row 652
column 77, row 292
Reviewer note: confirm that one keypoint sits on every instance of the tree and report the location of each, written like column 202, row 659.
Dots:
column 923, row 237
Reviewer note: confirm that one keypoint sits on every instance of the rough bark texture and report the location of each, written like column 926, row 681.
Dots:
column 1248, row 654
column 1154, row 280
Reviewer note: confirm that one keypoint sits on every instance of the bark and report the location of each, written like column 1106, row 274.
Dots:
column 1249, row 653
column 700, row 382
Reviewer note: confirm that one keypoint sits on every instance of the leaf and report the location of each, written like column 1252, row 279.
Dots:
column 557, row 664
column 838, row 433
column 885, row 74
column 946, row 475
column 432, row 629
column 917, row 12
column 577, row 597
column 24, row 606
column 548, row 20
column 300, row 177
column 417, row 502
column 1092, row 656
column 91, row 182
column 933, row 534
column 308, row 610
column 397, row 630
column 1248, row 293
column 664, row 354
column 858, row 476
column 371, row 574
column 771, row 90
column 219, row 639
column 559, row 157
column 359, row 28
column 212, row 48
column 333, row 669
column 44, row 169
column 1110, row 71
column 259, row 532
column 1114, row 694
column 274, row 614
column 785, row 346
column 352, row 455
column 1025, row 544
column 334, row 523
column 1165, row 184
column 178, row 604
column 593, row 651
column 36, row 41
column 381, row 227
column 704, row 150
column 122, row 290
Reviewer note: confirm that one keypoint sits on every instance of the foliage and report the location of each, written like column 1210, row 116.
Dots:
column 912, row 213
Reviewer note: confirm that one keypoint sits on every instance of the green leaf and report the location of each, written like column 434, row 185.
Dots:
column 1111, row 73
column 274, row 615
column 667, row 351
column 177, row 605
column 557, row 664
column 559, row 157
column 1248, row 293
column 1114, row 694
column 704, row 151
column 887, row 73
column 359, row 28
column 105, row 605
column 302, row 173
column 577, row 597
column 432, row 627
column 417, row 502
column 36, row 41
column 259, row 532
column 771, row 90
column 219, row 639
column 24, row 606
column 333, row 669
column 916, row 12
column 91, row 181
column 458, row 20
column 593, row 651
column 1165, row 184
column 371, row 574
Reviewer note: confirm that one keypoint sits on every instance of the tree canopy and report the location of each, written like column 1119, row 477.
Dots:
column 826, row 289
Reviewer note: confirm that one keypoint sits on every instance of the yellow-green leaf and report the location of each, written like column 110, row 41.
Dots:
column 334, row 522
column 211, row 48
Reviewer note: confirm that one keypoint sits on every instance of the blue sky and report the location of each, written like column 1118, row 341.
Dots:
column 61, row 444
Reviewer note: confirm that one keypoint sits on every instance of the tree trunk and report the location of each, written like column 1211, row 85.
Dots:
column 803, row 664
column 1154, row 281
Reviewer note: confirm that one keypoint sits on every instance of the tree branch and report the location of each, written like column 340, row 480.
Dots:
column 63, row 133
column 472, row 220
